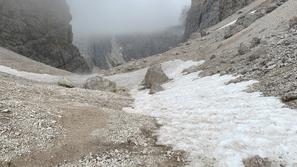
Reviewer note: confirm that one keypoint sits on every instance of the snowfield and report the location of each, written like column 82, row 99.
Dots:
column 217, row 124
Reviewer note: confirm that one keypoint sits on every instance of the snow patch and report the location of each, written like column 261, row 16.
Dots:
column 227, row 25
column 28, row 75
column 253, row 12
column 218, row 124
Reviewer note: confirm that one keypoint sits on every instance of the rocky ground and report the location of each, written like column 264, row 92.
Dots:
column 48, row 125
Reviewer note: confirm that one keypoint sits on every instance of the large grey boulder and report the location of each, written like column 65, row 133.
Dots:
column 100, row 83
column 155, row 76
column 40, row 30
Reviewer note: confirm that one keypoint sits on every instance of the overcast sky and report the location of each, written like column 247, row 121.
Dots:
column 122, row 16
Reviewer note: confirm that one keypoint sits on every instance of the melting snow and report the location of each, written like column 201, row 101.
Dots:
column 215, row 122
column 227, row 25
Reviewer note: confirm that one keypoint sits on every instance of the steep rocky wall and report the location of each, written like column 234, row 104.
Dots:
column 205, row 13
column 40, row 29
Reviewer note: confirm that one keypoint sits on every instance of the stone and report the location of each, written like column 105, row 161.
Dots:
column 232, row 30
column 271, row 7
column 6, row 164
column 212, row 57
column 289, row 97
column 64, row 82
column 100, row 83
column 255, row 42
column 293, row 22
column 47, row 37
column 243, row 49
column 257, row 161
column 155, row 76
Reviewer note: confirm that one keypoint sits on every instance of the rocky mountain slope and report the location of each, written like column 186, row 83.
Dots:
column 206, row 13
column 40, row 30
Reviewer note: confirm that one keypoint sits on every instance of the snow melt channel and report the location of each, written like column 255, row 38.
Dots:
column 218, row 124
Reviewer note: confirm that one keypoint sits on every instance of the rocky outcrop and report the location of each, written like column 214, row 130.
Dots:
column 205, row 13
column 40, row 29
column 107, row 51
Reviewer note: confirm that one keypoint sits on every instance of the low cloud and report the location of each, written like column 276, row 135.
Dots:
column 125, row 16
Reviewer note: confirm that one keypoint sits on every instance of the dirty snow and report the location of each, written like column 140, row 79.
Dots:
column 77, row 79
column 215, row 123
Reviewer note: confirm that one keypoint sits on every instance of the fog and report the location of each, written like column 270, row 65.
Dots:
column 125, row 16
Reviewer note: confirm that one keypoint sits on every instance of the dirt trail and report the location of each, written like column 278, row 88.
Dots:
column 79, row 122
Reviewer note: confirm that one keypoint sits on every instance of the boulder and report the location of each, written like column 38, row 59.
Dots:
column 255, row 42
column 289, row 97
column 257, row 161
column 232, row 30
column 100, row 83
column 243, row 49
column 293, row 22
column 64, row 82
column 155, row 76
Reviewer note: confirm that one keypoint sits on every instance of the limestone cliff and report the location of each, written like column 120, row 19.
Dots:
column 40, row 29
column 205, row 13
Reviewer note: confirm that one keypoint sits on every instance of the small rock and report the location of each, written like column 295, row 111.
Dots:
column 64, row 82
column 257, row 161
column 255, row 42
column 212, row 57
column 293, row 22
column 289, row 97
column 243, row 49
column 271, row 7
column 130, row 68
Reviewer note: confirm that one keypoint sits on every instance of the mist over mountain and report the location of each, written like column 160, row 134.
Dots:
column 120, row 17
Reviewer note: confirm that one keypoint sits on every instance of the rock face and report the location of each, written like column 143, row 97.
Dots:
column 40, row 29
column 205, row 13
column 99, row 83
column 107, row 51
